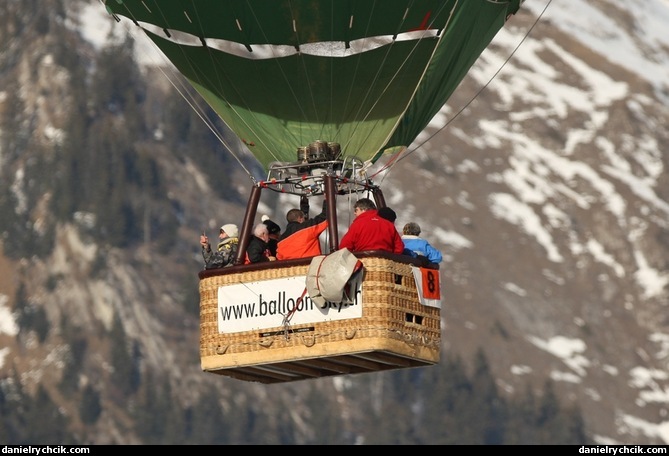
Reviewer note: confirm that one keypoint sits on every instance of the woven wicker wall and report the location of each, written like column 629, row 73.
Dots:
column 393, row 321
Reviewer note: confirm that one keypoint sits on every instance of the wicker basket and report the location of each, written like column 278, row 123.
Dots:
column 395, row 330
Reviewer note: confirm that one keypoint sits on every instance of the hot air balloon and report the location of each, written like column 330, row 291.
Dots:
column 319, row 91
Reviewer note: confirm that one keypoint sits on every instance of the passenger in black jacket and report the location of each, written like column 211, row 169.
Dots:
column 299, row 218
column 258, row 248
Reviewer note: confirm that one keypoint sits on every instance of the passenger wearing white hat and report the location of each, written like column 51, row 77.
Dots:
column 231, row 230
column 226, row 251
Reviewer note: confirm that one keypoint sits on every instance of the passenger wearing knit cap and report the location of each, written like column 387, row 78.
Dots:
column 226, row 250
column 417, row 246
column 231, row 230
column 387, row 213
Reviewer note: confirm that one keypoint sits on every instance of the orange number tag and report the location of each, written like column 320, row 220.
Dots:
column 431, row 288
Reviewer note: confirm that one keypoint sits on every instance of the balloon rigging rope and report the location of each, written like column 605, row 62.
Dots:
column 259, row 137
column 175, row 79
column 192, row 102
column 397, row 71
column 394, row 161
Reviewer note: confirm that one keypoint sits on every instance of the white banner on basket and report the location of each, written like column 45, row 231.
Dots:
column 264, row 304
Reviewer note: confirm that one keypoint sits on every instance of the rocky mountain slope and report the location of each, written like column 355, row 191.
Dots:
column 553, row 208
column 548, row 194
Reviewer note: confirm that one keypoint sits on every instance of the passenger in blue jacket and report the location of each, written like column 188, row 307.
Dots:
column 417, row 246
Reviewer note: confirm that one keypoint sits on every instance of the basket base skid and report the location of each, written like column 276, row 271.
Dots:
column 278, row 365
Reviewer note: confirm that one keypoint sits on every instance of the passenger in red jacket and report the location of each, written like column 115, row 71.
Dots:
column 369, row 231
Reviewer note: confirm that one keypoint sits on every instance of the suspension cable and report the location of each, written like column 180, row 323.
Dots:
column 183, row 90
column 394, row 161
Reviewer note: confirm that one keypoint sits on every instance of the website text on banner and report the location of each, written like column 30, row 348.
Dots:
column 260, row 305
